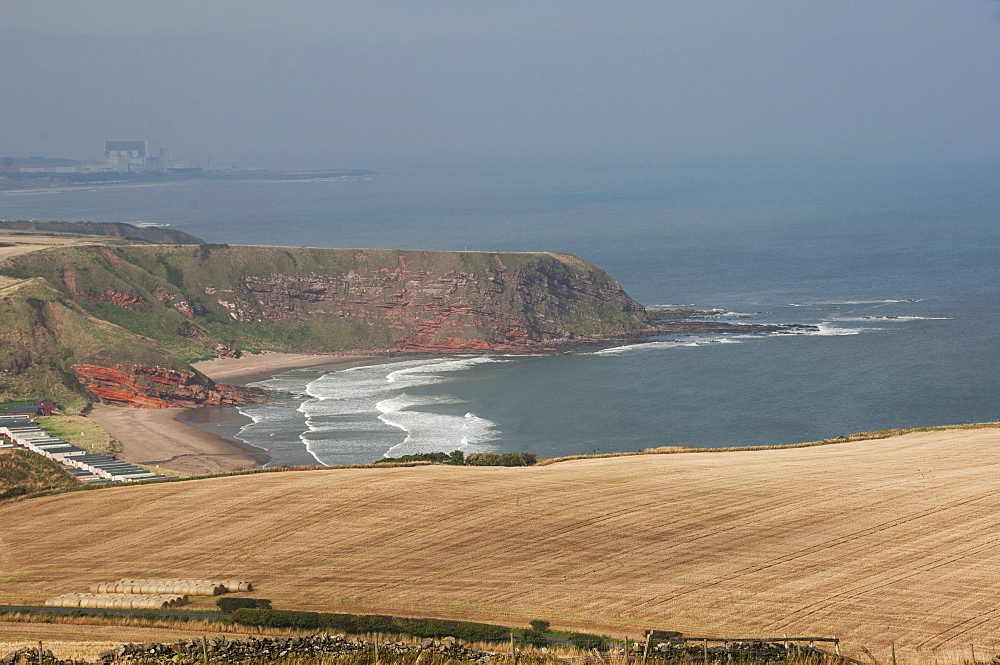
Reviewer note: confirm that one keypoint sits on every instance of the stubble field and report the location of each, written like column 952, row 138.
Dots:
column 874, row 542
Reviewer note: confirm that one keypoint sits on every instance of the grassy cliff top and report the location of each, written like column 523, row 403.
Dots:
column 152, row 234
column 168, row 305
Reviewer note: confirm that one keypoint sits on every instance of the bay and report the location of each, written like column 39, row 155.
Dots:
column 898, row 264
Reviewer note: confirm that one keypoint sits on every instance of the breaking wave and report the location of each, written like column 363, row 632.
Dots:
column 355, row 415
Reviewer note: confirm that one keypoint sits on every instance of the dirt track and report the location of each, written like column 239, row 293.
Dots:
column 873, row 541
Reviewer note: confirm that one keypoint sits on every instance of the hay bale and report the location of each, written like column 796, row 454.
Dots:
column 236, row 585
column 65, row 600
column 172, row 586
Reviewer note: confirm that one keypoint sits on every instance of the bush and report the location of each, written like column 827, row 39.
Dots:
column 535, row 638
column 585, row 641
column 371, row 623
column 458, row 458
column 231, row 604
column 248, row 616
column 437, row 458
column 540, row 626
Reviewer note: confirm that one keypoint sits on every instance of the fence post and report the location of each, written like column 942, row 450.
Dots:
column 645, row 652
column 204, row 649
column 972, row 647
column 893, row 653
column 513, row 656
column 626, row 651
column 836, row 645
column 704, row 651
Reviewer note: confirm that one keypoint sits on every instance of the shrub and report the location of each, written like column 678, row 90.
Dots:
column 248, row 616
column 483, row 459
column 540, row 626
column 457, row 457
column 585, row 641
column 230, row 604
column 535, row 638
column 370, row 623
column 438, row 458
column 503, row 459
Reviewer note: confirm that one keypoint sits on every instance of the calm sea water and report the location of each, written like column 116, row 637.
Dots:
column 899, row 266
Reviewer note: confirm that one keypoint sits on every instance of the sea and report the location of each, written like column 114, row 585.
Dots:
column 897, row 266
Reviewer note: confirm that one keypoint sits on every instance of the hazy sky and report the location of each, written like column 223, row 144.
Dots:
column 372, row 83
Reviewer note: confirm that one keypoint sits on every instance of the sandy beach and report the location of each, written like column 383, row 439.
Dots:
column 157, row 437
column 248, row 367
column 154, row 437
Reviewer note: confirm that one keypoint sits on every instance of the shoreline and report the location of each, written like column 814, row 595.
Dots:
column 155, row 437
column 170, row 439
column 173, row 439
column 250, row 368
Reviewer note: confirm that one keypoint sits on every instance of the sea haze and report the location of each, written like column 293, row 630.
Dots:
column 898, row 266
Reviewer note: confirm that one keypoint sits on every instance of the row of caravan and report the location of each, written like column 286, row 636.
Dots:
column 118, row 601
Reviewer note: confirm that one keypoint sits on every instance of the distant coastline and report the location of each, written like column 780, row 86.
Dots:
column 12, row 181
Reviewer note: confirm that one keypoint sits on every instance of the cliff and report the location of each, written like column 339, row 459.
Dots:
column 156, row 235
column 50, row 347
column 187, row 303
column 198, row 301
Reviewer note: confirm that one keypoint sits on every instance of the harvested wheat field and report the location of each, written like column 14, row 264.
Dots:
column 871, row 541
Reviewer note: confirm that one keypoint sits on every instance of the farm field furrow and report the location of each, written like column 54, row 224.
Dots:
column 879, row 541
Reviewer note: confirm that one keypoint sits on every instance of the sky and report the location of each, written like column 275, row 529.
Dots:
column 370, row 83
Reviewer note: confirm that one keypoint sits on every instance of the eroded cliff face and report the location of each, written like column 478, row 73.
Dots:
column 195, row 302
column 147, row 387
column 303, row 299
column 457, row 310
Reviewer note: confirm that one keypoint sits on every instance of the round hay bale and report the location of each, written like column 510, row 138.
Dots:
column 233, row 586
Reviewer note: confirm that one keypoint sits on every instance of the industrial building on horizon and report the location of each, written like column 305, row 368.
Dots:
column 130, row 157
column 119, row 157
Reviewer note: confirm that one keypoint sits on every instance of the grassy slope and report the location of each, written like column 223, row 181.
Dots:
column 44, row 333
column 153, row 234
column 81, row 432
column 23, row 473
column 185, row 272
column 873, row 542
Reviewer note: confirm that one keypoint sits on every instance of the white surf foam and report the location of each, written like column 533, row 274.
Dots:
column 859, row 302
column 365, row 410
column 661, row 345
column 738, row 315
column 893, row 318
column 825, row 329
column 428, row 431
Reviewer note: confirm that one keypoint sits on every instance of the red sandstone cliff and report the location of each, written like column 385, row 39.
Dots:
column 147, row 387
